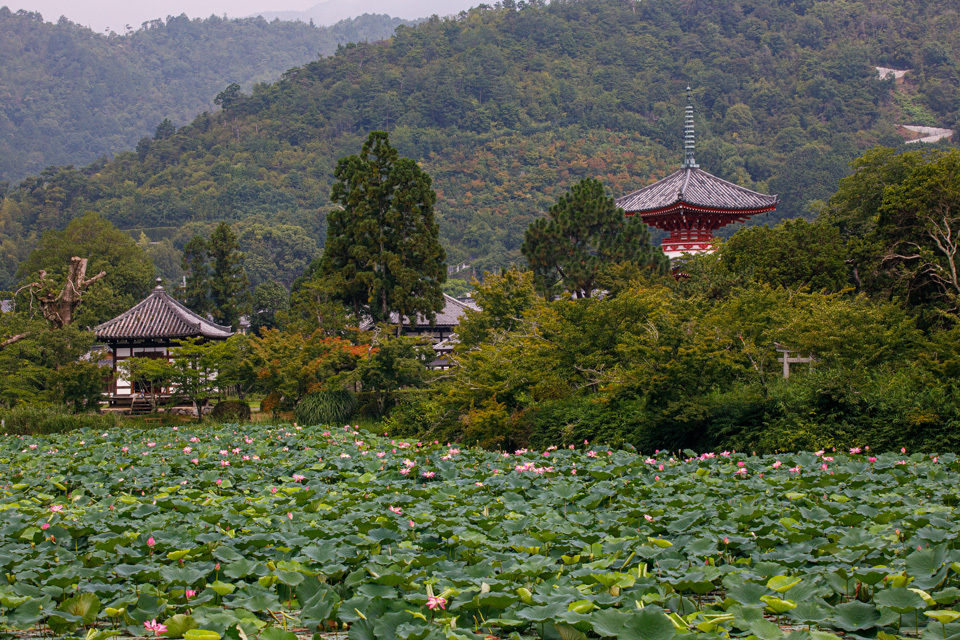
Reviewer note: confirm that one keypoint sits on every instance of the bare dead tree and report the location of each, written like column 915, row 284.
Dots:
column 59, row 306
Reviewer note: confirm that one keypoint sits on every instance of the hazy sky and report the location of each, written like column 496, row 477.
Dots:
column 100, row 14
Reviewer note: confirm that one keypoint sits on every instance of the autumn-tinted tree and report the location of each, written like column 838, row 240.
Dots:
column 585, row 233
column 383, row 242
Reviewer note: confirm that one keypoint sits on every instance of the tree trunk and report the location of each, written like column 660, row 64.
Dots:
column 58, row 308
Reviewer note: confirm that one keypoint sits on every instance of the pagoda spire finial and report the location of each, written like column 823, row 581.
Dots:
column 689, row 140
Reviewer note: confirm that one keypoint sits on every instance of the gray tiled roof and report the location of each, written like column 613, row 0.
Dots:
column 159, row 316
column 449, row 316
column 694, row 187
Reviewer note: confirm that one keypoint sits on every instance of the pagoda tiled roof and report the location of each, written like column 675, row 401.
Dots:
column 159, row 317
column 695, row 187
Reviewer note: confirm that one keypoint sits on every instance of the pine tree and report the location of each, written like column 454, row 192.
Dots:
column 196, row 293
column 585, row 233
column 384, row 243
column 229, row 286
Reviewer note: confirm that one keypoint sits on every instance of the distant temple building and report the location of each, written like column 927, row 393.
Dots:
column 150, row 329
column 441, row 333
column 691, row 204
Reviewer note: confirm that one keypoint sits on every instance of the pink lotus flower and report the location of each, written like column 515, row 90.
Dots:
column 903, row 449
column 396, row 510
column 428, row 474
column 648, row 517
column 436, row 602
column 273, row 489
column 189, row 593
column 777, row 464
column 412, row 524
column 33, row 446
column 855, row 450
column 573, row 472
column 156, row 627
column 726, row 540
column 795, row 469
column 151, row 542
column 57, row 508
column 741, row 472
column 124, row 449
column 45, row 526
column 187, row 449
column 195, row 461
column 219, row 481
column 344, row 455
column 298, row 478
column 823, row 466
column 872, row 459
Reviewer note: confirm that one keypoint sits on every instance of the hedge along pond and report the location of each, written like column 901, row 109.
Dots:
column 272, row 531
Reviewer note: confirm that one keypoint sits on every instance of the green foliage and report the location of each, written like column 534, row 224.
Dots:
column 231, row 411
column 229, row 295
column 506, row 109
column 383, row 243
column 271, row 300
column 502, row 298
column 81, row 95
column 588, row 533
column 794, row 254
column 34, row 419
column 329, row 407
column 31, row 368
column 900, row 215
column 79, row 385
column 150, row 376
column 392, row 363
column 586, row 233
column 196, row 293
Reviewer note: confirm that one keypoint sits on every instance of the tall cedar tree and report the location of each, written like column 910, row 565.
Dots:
column 229, row 286
column 585, row 233
column 196, row 294
column 383, row 242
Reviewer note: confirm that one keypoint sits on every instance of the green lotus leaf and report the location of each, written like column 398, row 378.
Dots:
column 201, row 634
column 782, row 584
column 943, row 616
column 900, row 600
column 855, row 616
column 178, row 625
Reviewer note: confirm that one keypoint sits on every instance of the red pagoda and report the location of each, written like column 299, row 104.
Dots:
column 691, row 204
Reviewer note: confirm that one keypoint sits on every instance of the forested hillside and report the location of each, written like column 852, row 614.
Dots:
column 69, row 95
column 507, row 107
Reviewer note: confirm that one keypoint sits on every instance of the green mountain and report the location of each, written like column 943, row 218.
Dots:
column 506, row 107
column 69, row 95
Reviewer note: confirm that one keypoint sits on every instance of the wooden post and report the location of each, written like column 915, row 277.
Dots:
column 787, row 360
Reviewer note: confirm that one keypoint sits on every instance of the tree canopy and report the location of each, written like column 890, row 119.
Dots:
column 383, row 243
column 584, row 234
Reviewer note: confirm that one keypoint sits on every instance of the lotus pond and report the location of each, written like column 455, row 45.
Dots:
column 277, row 531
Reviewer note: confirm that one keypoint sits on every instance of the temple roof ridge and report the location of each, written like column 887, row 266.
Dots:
column 159, row 316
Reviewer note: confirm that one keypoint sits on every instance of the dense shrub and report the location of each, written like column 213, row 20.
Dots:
column 326, row 407
column 231, row 411
column 38, row 420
